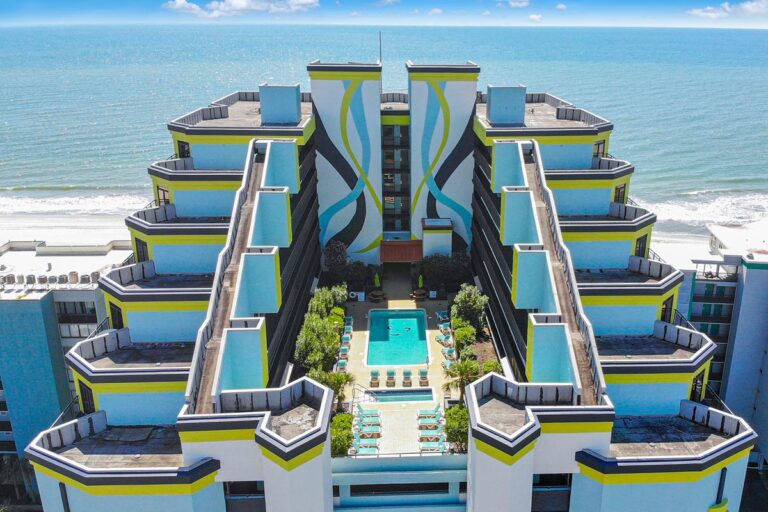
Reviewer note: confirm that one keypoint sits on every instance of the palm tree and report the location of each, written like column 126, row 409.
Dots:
column 337, row 382
column 460, row 374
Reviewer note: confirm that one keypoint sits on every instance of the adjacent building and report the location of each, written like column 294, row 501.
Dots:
column 189, row 401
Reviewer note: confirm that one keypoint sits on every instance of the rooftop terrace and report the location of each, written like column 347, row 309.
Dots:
column 143, row 355
column 502, row 413
column 644, row 347
column 171, row 281
column 613, row 275
column 293, row 422
column 662, row 435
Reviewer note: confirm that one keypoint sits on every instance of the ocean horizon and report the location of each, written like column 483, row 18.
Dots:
column 86, row 107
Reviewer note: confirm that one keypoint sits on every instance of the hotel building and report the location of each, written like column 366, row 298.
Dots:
column 190, row 402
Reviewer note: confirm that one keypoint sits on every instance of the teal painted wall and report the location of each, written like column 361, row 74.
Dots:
column 282, row 170
column 219, row 156
column 564, row 156
column 506, row 105
column 648, row 398
column 280, row 104
column 622, row 319
column 534, row 286
column 582, row 201
column 601, row 254
column 258, row 287
column 242, row 366
column 507, row 166
column 204, row 203
column 551, row 357
column 519, row 219
column 271, row 225
column 31, row 366
column 186, row 259
column 154, row 326
column 141, row 408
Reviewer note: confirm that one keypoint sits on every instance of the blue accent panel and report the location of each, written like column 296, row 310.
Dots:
column 507, row 166
column 280, row 104
column 565, row 156
column 219, row 156
column 622, row 319
column 270, row 226
column 551, row 357
column 257, row 288
column 648, row 398
column 506, row 105
column 186, row 259
column 155, row 409
column 601, row 254
column 31, row 366
column 154, row 326
column 430, row 121
column 242, row 365
column 519, row 220
column 534, row 283
column 204, row 203
column 358, row 117
column 281, row 169
column 582, row 201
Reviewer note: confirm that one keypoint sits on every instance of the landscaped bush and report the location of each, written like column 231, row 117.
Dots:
column 441, row 271
column 492, row 366
column 321, row 303
column 467, row 352
column 336, row 260
column 339, row 294
column 457, row 427
column 317, row 344
column 341, row 435
column 464, row 336
column 337, row 382
column 458, row 322
column 469, row 303
column 359, row 276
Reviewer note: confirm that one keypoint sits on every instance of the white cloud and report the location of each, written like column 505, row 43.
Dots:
column 383, row 3
column 485, row 13
column 221, row 8
column 744, row 9
column 435, row 12
column 516, row 5
column 536, row 18
column 561, row 7
column 354, row 13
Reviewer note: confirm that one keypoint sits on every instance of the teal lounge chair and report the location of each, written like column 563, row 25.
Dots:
column 347, row 329
column 433, row 446
column 445, row 340
column 390, row 378
column 348, row 320
column 430, row 422
column 341, row 366
column 445, row 327
column 442, row 315
column 423, row 377
column 449, row 353
column 344, row 352
column 447, row 364
column 433, row 434
column 363, row 450
column 407, row 382
column 368, row 442
column 429, row 413
column 374, row 378
column 366, row 412
column 346, row 339
column 369, row 430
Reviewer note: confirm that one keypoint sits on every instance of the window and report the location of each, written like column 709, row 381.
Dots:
column 462, row 487
column 721, row 485
column 163, row 196
column 666, row 309
column 620, row 194
column 86, row 395
column 7, row 446
column 641, row 246
column 379, row 489
column 5, row 426
column 117, row 316
column 142, row 252
column 599, row 148
column 184, row 149
column 64, row 497
column 3, row 406
column 697, row 389
column 249, row 488
column 336, row 491
column 76, row 312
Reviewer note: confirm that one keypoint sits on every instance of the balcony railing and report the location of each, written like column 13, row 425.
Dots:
column 679, row 319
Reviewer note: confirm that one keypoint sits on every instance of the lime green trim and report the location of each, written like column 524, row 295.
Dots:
column 606, row 236
column 403, row 120
column 499, row 455
column 214, row 436
column 443, row 76
column 290, row 465
column 720, row 507
column 372, row 245
column 345, row 75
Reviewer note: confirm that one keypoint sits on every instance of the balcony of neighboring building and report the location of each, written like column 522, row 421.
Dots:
column 140, row 282
column 163, row 220
column 273, row 110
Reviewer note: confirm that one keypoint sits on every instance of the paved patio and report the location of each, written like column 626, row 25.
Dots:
column 399, row 427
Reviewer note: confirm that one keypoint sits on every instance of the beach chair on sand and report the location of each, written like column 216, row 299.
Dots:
column 449, row 353
column 423, row 377
column 374, row 378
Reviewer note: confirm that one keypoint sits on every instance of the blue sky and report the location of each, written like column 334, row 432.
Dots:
column 670, row 13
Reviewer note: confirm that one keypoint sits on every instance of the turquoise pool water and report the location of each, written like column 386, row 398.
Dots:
column 397, row 337
column 403, row 395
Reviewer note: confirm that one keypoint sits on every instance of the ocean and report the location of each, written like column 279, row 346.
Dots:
column 84, row 109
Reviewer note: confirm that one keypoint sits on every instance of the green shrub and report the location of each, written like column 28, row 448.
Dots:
column 337, row 311
column 337, row 382
column 459, row 322
column 492, row 366
column 341, row 435
column 441, row 271
column 469, row 303
column 317, row 343
column 457, row 427
column 464, row 336
column 321, row 303
column 339, row 294
column 467, row 352
column 336, row 258
column 358, row 276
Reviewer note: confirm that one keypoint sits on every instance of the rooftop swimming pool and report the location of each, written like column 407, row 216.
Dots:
column 402, row 395
column 397, row 337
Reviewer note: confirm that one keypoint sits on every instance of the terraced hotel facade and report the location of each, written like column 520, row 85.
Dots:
column 189, row 398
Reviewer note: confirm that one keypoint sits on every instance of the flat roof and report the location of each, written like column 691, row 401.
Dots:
column 293, row 422
column 537, row 115
column 161, row 281
column 501, row 413
column 142, row 355
column 643, row 347
column 612, row 275
column 661, row 435
column 247, row 114
column 127, row 447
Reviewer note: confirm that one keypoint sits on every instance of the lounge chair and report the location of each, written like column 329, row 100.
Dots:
column 368, row 430
column 341, row 366
column 390, row 378
column 346, row 339
column 347, row 329
column 447, row 364
column 449, row 353
column 366, row 412
column 429, row 413
column 423, row 377
column 374, row 378
column 368, row 442
column 407, row 382
column 445, row 327
column 430, row 423
column 444, row 340
column 435, row 434
column 442, row 315
column 433, row 446
column 348, row 320
column 344, row 352
column 363, row 450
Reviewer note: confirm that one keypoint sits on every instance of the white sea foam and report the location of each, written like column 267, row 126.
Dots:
column 702, row 209
column 120, row 204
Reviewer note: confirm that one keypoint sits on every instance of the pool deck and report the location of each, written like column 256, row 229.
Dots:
column 398, row 419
